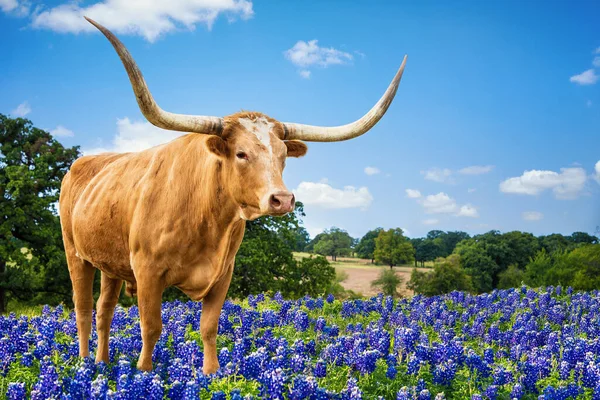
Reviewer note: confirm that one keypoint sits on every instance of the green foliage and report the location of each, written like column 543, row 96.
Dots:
column 393, row 248
column 511, row 277
column 333, row 242
column 388, row 282
column 476, row 262
column 447, row 276
column 33, row 267
column 366, row 246
column 537, row 268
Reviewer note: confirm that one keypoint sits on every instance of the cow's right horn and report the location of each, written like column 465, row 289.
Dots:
column 152, row 112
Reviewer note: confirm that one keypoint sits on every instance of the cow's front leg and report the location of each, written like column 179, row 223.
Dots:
column 149, row 291
column 209, row 321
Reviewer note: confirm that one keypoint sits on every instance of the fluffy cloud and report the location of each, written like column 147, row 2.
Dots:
column 468, row 211
column 372, row 170
column 431, row 221
column 310, row 54
column 476, row 170
column 438, row 175
column 439, row 203
column 588, row 77
column 135, row 136
column 61, row 131
column 413, row 193
column 567, row 184
column 22, row 110
column 323, row 195
column 532, row 215
column 597, row 172
column 147, row 18
column 596, row 61
column 18, row 8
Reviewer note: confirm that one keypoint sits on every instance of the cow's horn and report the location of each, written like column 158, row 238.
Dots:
column 312, row 133
column 154, row 114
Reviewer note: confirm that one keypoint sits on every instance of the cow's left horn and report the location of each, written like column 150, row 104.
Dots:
column 151, row 110
column 312, row 133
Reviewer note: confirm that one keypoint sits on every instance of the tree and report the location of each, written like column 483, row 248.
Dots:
column 513, row 276
column 447, row 276
column 537, row 269
column 583, row 238
column 366, row 246
column 33, row 267
column 265, row 261
column 393, row 248
column 334, row 242
column 478, row 264
column 555, row 243
column 388, row 281
column 296, row 236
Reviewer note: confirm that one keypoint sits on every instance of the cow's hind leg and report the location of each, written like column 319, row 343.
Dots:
column 209, row 322
column 82, row 279
column 149, row 291
column 105, row 308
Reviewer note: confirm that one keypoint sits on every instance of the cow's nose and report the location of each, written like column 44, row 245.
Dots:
column 282, row 202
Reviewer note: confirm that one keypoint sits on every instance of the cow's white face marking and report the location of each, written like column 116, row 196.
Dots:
column 261, row 129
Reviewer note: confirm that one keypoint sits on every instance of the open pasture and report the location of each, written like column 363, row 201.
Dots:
column 516, row 343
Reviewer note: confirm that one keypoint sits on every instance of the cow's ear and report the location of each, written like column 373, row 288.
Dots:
column 295, row 148
column 217, row 146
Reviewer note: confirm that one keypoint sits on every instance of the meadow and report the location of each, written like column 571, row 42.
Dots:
column 508, row 344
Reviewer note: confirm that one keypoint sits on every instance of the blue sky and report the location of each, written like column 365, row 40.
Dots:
column 496, row 124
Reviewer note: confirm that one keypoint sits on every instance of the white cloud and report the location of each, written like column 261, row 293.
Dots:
column 147, row 18
column 471, row 190
column 308, row 54
column 304, row 73
column 22, row 109
column 372, row 170
column 588, row 77
column 61, row 131
column 566, row 185
column 439, row 203
column 405, row 231
column 431, row 221
column 596, row 61
column 18, row 8
column 597, row 171
column 532, row 215
column 323, row 195
column 135, row 136
column 468, row 211
column 413, row 193
column 476, row 170
column 438, row 175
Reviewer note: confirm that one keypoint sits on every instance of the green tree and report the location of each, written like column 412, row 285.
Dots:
column 583, row 238
column 447, row 276
column 33, row 267
column 393, row 248
column 265, row 261
column 555, row 243
column 388, row 282
column 513, row 276
column 334, row 242
column 478, row 264
column 366, row 246
column 537, row 269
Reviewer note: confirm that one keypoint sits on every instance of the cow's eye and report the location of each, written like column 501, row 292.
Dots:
column 241, row 155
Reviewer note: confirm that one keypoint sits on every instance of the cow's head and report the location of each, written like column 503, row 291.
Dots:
column 253, row 146
column 253, row 153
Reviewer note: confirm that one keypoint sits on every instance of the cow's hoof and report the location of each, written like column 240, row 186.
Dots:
column 144, row 366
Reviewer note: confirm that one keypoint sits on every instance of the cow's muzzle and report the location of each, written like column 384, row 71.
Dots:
column 281, row 203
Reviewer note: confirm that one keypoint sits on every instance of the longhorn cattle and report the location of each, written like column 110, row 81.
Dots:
column 174, row 215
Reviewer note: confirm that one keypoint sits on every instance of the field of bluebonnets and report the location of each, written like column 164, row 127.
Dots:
column 508, row 344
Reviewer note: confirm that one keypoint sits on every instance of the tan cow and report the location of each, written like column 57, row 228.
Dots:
column 174, row 215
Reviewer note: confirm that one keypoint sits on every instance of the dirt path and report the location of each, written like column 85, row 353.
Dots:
column 360, row 278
